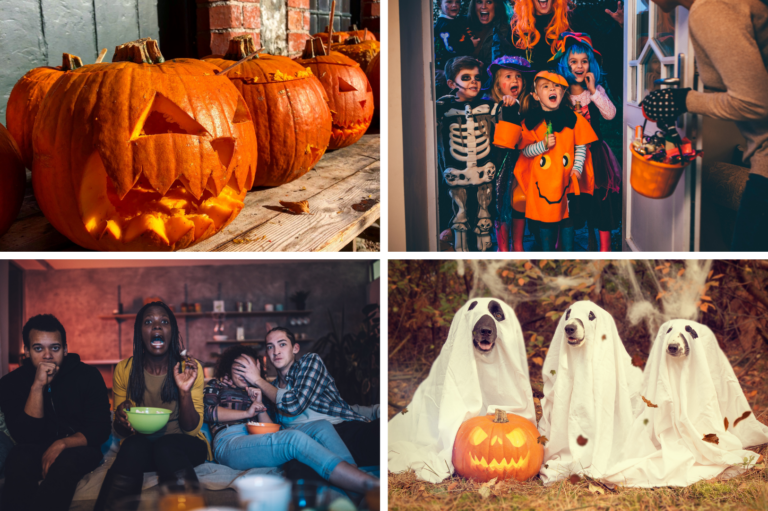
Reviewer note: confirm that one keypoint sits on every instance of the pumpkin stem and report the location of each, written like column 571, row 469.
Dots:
column 353, row 40
column 240, row 47
column 70, row 62
column 501, row 416
column 314, row 48
column 140, row 51
column 102, row 54
column 241, row 61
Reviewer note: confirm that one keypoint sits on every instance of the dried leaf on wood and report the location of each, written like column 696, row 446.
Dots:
column 296, row 207
column 648, row 403
column 743, row 416
column 711, row 438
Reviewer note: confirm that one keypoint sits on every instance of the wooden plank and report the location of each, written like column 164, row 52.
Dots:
column 332, row 224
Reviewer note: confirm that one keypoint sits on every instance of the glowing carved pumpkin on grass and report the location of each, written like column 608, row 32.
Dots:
column 289, row 107
column 25, row 100
column 143, row 154
column 14, row 179
column 349, row 93
column 505, row 447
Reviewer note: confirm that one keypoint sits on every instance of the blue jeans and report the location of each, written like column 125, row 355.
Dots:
column 316, row 444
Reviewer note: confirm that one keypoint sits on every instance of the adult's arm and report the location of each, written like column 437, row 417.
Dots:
column 95, row 424
column 726, row 34
column 191, row 405
column 13, row 398
column 306, row 386
column 120, row 380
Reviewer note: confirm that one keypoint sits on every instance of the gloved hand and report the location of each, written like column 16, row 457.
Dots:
column 665, row 105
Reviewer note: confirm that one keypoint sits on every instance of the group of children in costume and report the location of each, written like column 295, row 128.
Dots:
column 509, row 150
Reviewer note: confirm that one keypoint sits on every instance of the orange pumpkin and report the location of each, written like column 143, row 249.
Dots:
column 14, row 179
column 289, row 108
column 505, row 447
column 373, row 72
column 349, row 93
column 338, row 37
column 25, row 100
column 143, row 154
column 361, row 52
column 363, row 35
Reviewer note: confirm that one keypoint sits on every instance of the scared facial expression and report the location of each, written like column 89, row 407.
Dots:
column 156, row 331
column 510, row 82
column 579, row 64
column 46, row 347
column 485, row 10
column 484, row 332
column 280, row 350
column 549, row 94
column 543, row 6
column 450, row 7
column 237, row 379
column 468, row 84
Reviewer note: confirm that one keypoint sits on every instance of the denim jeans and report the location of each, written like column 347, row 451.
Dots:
column 316, row 444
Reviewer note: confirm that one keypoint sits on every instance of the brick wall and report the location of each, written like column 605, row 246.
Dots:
column 220, row 20
column 370, row 16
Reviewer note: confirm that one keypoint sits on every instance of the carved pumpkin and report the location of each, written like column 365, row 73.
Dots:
column 374, row 78
column 14, row 179
column 25, row 100
column 349, row 93
column 338, row 37
column 361, row 52
column 505, row 447
column 143, row 154
column 289, row 107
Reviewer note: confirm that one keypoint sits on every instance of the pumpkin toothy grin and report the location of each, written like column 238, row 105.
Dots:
column 499, row 466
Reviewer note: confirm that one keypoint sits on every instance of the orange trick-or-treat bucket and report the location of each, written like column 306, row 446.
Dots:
column 653, row 179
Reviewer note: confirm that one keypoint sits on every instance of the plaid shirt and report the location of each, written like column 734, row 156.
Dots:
column 312, row 386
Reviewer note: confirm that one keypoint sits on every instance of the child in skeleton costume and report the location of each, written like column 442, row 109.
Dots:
column 696, row 423
column 481, row 367
column 466, row 157
column 555, row 160
column 507, row 89
column 591, row 395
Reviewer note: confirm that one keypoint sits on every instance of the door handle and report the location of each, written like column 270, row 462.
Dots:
column 676, row 81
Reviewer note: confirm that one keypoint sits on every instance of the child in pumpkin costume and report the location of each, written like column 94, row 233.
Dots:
column 555, row 160
column 508, row 88
column 577, row 62
column 466, row 157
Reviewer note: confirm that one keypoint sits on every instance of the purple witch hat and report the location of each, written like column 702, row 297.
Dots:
column 507, row 62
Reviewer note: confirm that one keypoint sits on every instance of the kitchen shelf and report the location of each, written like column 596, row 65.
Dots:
column 229, row 314
column 250, row 341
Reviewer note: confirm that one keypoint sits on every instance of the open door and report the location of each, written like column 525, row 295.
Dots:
column 656, row 49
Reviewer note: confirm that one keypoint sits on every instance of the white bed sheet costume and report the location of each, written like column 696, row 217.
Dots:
column 590, row 390
column 462, row 383
column 694, row 394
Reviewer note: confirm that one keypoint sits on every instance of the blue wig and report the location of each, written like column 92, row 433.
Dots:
column 564, row 70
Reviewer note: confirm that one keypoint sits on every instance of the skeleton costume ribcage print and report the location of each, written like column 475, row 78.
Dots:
column 466, row 160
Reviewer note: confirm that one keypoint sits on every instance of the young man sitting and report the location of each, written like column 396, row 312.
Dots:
column 306, row 392
column 57, row 410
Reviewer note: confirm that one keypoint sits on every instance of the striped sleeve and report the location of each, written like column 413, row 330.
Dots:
column 534, row 149
column 579, row 157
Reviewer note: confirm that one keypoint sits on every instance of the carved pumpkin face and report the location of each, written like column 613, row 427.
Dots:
column 349, row 93
column 505, row 447
column 14, row 180
column 27, row 96
column 143, row 156
column 289, row 108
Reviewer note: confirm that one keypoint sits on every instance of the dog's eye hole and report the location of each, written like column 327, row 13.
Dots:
column 473, row 305
column 691, row 331
column 670, row 329
column 568, row 314
column 495, row 309
column 592, row 316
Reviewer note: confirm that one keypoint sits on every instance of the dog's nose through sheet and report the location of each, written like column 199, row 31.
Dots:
column 690, row 391
column 590, row 395
column 470, row 377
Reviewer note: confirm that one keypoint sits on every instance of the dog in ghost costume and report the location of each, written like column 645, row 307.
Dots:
column 482, row 367
column 693, row 389
column 590, row 394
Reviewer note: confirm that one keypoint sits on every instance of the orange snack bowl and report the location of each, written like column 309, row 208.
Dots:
column 259, row 428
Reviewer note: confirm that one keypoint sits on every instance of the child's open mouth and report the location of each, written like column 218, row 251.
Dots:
column 485, row 16
column 514, row 90
column 157, row 340
column 578, row 74
column 553, row 98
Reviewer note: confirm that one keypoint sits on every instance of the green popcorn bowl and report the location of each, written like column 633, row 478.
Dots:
column 147, row 420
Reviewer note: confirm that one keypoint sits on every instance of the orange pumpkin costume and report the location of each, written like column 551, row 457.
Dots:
column 545, row 179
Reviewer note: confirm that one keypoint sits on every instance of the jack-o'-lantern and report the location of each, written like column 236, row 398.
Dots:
column 289, row 107
column 349, row 94
column 13, row 178
column 545, row 180
column 143, row 154
column 26, row 97
column 362, row 52
column 505, row 446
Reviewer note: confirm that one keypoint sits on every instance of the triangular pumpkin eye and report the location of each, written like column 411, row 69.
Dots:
column 164, row 116
column 241, row 112
column 345, row 86
column 368, row 88
column 362, row 104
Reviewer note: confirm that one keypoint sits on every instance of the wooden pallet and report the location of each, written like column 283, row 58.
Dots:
column 343, row 191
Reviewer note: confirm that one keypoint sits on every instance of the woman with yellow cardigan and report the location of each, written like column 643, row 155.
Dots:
column 153, row 377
